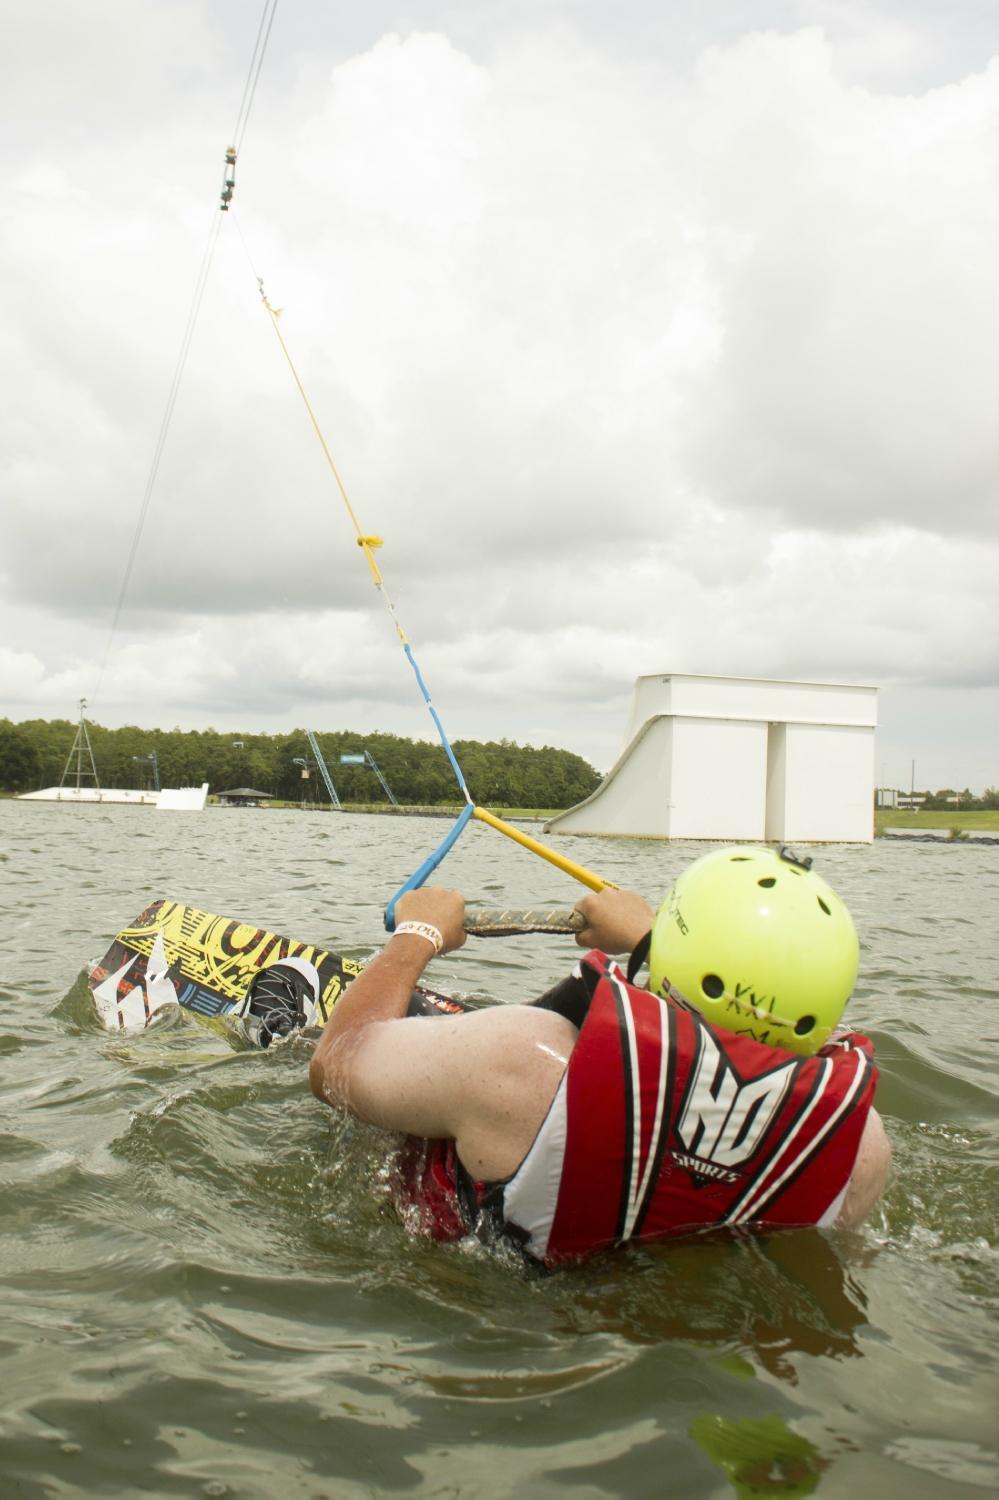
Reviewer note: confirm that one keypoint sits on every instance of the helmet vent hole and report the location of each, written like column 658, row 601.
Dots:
column 804, row 1025
column 712, row 986
column 823, row 906
column 768, row 881
column 741, row 859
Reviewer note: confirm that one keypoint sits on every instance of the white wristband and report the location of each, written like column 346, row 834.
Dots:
column 423, row 930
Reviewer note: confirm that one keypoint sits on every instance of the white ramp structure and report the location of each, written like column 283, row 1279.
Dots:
column 739, row 759
column 183, row 798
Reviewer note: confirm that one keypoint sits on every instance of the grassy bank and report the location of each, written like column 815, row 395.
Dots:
column 386, row 810
column 884, row 818
column 890, row 817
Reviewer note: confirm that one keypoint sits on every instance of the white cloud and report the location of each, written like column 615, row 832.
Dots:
column 858, row 380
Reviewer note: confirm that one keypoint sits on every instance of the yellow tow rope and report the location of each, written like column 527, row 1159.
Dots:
column 368, row 545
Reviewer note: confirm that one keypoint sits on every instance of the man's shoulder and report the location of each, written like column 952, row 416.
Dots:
column 483, row 1026
column 511, row 1047
column 530, row 1023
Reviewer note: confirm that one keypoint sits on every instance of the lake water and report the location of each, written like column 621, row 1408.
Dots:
column 205, row 1289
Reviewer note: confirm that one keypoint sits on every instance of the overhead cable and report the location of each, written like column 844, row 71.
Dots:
column 242, row 119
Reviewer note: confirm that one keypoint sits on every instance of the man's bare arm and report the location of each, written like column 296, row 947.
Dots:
column 485, row 1079
column 381, row 992
column 869, row 1176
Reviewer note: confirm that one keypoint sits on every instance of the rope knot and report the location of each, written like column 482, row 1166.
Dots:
column 370, row 541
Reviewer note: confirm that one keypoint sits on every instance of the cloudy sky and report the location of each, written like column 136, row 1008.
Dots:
column 654, row 335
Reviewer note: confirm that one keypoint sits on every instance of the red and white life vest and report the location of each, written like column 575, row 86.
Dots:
column 663, row 1125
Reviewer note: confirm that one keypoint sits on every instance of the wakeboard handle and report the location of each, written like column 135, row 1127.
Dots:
column 508, row 921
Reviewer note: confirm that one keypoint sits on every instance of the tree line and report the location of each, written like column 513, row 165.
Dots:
column 33, row 755
column 947, row 799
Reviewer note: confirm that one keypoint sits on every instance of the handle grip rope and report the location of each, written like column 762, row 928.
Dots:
column 505, row 922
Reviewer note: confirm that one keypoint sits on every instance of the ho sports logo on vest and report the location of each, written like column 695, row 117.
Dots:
column 724, row 1120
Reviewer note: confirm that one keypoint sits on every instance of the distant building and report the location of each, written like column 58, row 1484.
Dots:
column 244, row 796
column 739, row 758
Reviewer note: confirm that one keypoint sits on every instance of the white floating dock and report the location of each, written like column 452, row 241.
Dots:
column 170, row 799
column 739, row 759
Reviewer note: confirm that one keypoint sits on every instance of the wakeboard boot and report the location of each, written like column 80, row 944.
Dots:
column 282, row 999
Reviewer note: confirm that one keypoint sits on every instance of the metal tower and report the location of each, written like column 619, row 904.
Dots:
column 80, row 744
column 323, row 768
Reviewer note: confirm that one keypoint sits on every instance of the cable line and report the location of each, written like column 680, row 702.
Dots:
column 253, row 76
column 242, row 119
column 185, row 345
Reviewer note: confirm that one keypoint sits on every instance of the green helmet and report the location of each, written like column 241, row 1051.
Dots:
column 759, row 944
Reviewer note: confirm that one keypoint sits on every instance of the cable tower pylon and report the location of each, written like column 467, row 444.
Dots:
column 324, row 770
column 80, row 744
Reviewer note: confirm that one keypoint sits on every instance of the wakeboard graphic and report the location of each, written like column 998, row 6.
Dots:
column 174, row 954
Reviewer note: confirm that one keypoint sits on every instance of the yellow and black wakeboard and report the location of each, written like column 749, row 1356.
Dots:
column 174, row 954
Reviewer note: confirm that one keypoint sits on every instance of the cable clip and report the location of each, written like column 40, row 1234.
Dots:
column 228, row 179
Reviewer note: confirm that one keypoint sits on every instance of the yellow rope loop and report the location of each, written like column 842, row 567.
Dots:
column 367, row 545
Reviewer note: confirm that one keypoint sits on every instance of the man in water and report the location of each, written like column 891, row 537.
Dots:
column 604, row 1113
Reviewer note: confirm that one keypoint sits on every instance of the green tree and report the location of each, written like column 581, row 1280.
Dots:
column 18, row 758
column 499, row 773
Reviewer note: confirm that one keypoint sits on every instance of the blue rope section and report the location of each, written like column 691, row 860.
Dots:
column 429, row 864
column 432, row 861
column 440, row 729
